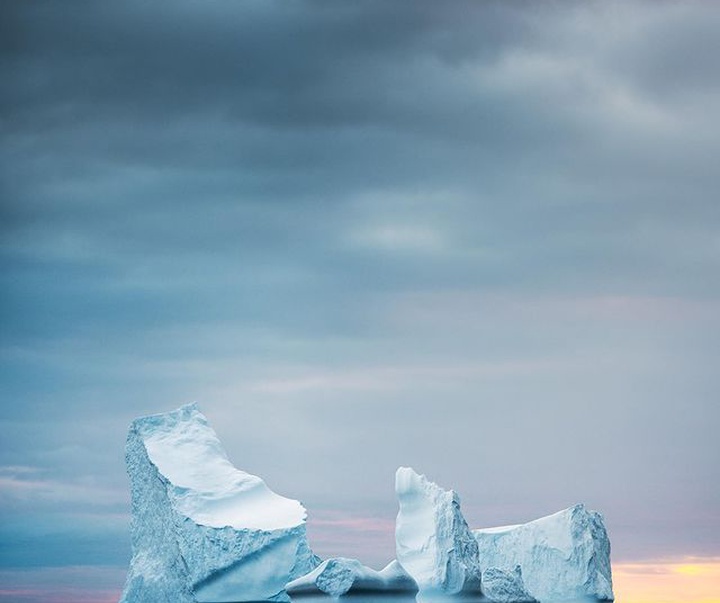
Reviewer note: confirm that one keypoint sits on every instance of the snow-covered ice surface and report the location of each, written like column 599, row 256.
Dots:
column 502, row 586
column 433, row 541
column 201, row 529
column 339, row 575
column 564, row 556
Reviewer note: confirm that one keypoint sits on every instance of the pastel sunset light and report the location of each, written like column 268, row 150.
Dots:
column 692, row 580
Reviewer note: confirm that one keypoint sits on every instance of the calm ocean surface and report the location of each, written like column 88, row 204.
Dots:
column 408, row 598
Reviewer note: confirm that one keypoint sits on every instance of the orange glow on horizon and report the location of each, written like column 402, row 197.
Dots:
column 688, row 580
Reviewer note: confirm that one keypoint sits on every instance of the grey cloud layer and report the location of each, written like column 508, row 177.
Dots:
column 480, row 239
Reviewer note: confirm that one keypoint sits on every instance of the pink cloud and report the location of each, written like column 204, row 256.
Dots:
column 686, row 579
column 368, row 538
column 53, row 595
column 74, row 584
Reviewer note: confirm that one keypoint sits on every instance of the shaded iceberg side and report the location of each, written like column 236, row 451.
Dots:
column 202, row 530
column 563, row 556
column 501, row 586
column 228, row 565
column 339, row 575
column 157, row 571
column 433, row 541
column 397, row 579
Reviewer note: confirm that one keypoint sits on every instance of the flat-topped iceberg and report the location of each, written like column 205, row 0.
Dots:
column 339, row 575
column 563, row 556
column 433, row 541
column 201, row 529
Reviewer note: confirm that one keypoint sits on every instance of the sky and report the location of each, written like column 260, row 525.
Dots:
column 481, row 239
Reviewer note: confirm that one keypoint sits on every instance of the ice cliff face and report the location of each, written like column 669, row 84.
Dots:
column 201, row 529
column 562, row 556
column 339, row 576
column 501, row 586
column 433, row 541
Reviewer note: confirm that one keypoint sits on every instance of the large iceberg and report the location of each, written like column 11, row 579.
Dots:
column 433, row 541
column 201, row 529
column 563, row 556
column 339, row 575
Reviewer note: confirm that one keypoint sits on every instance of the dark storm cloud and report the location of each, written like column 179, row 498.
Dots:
column 496, row 217
column 251, row 61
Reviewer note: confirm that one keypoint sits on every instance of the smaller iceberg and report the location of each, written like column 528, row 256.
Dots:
column 433, row 541
column 338, row 576
column 565, row 556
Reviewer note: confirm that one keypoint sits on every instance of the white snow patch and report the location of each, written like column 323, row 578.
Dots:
column 207, row 488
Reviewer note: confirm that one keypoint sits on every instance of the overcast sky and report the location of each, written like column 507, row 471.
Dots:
column 481, row 239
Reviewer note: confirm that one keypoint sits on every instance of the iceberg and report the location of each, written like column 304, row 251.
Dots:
column 433, row 541
column 563, row 556
column 339, row 575
column 201, row 529
column 501, row 586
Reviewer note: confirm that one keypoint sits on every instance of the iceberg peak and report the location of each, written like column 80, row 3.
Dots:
column 433, row 541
